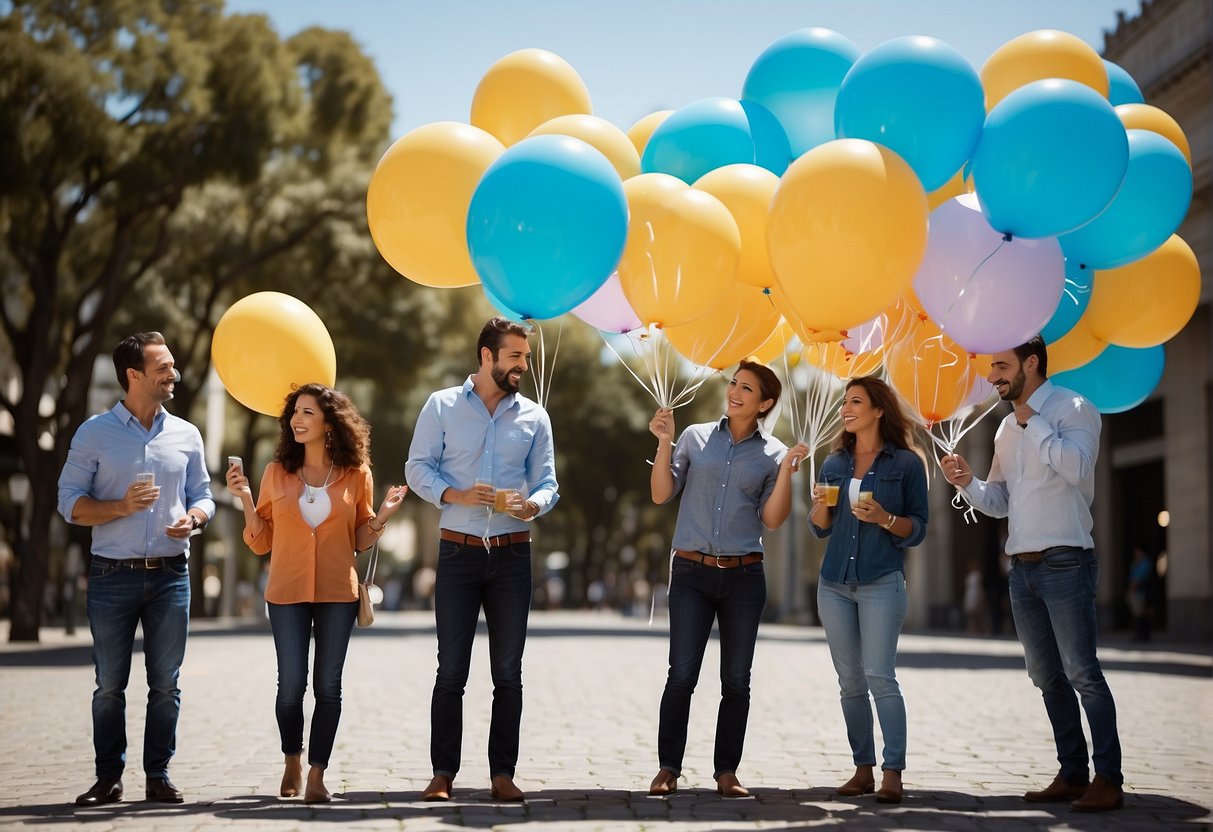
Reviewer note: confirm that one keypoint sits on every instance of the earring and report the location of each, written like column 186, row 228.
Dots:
column 328, row 439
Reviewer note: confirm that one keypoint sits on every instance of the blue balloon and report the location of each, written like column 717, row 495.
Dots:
column 1052, row 155
column 920, row 98
column 1075, row 296
column 1122, row 89
column 797, row 78
column 771, row 148
column 1116, row 380
column 700, row 137
column 1151, row 203
column 497, row 304
column 546, row 225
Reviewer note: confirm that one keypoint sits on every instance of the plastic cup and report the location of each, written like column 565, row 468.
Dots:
column 831, row 493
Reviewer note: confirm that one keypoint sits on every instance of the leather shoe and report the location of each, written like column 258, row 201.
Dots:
column 502, row 788
column 103, row 791
column 664, row 783
column 438, row 789
column 1059, row 791
column 862, row 783
column 1101, row 796
column 890, row 787
column 162, row 790
column 728, row 785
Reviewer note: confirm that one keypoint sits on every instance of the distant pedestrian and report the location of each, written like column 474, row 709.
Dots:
column 1141, row 578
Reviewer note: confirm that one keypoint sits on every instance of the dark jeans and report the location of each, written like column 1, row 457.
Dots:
column 498, row 580
column 119, row 598
column 698, row 595
column 1053, row 603
column 293, row 625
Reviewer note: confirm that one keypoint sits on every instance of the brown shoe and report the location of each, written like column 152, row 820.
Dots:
column 890, row 787
column 103, row 791
column 503, row 788
column 439, row 788
column 162, row 790
column 1101, row 796
column 1059, row 791
column 862, row 783
column 664, row 783
column 728, row 785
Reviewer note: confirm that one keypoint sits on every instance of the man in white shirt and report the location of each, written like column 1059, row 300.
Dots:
column 1042, row 481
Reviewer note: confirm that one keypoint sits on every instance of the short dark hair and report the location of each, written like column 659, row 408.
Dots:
column 1035, row 346
column 769, row 386
column 128, row 355
column 494, row 332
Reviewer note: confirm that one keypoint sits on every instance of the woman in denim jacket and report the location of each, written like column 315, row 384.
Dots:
column 881, row 511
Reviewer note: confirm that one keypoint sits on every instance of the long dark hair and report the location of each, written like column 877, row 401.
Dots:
column 894, row 424
column 349, row 439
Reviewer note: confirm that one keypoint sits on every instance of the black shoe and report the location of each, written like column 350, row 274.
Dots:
column 103, row 791
column 162, row 790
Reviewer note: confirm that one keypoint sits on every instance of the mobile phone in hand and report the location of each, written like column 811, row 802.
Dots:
column 238, row 462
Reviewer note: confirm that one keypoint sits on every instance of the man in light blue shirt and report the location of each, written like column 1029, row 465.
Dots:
column 483, row 453
column 137, row 475
column 1042, row 481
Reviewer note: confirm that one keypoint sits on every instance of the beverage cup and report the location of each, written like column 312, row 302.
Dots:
column 501, row 499
column 865, row 496
column 831, row 494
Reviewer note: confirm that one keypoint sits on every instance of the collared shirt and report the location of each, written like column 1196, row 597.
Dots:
column 1042, row 477
column 457, row 443
column 108, row 451
column 315, row 565
column 724, row 486
column 898, row 482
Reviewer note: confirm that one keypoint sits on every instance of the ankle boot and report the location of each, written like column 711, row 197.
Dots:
column 890, row 787
column 863, row 782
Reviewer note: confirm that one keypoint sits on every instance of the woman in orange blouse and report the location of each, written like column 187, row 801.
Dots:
column 314, row 512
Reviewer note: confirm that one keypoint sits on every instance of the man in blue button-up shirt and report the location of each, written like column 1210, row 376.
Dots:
column 137, row 475
column 483, row 453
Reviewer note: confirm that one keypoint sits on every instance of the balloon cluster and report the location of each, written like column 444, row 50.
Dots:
column 895, row 206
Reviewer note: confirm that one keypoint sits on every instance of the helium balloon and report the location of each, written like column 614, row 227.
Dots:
column 523, row 90
column 417, row 201
column 1148, row 301
column 599, row 134
column 771, row 148
column 1051, row 157
column 740, row 322
column 268, row 344
column 1145, row 117
column 919, row 97
column 1075, row 348
column 777, row 344
column 642, row 131
column 500, row 306
column 1122, row 89
column 955, row 186
column 608, row 309
column 1045, row 53
column 746, row 190
column 797, row 78
column 700, row 137
column 1118, row 379
column 931, row 372
column 1073, row 302
column 840, row 362
column 546, row 225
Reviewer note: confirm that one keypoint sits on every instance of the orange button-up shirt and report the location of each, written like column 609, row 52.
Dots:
column 311, row 565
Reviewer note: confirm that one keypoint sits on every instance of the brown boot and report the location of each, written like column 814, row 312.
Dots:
column 863, row 782
column 890, row 787
column 664, row 783
column 438, row 789
column 728, row 785
column 1059, row 791
column 1101, row 796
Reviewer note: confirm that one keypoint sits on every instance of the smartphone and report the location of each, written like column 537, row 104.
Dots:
column 147, row 477
column 237, row 461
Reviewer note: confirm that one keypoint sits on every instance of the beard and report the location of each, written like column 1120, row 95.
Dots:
column 1015, row 388
column 502, row 377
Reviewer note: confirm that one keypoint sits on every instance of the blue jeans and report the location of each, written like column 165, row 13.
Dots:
column 119, row 598
column 1053, row 603
column 499, row 581
column 700, row 594
column 292, row 625
column 862, row 623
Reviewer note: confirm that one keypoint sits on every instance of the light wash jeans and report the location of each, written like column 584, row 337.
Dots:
column 862, row 623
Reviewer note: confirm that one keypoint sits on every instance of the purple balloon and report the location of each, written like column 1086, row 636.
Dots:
column 987, row 293
column 608, row 309
column 867, row 336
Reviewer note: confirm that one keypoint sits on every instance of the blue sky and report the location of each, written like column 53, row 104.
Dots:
column 636, row 57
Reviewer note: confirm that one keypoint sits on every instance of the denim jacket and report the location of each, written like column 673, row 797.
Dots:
column 898, row 481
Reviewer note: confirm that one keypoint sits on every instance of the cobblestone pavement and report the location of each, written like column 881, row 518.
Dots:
column 978, row 736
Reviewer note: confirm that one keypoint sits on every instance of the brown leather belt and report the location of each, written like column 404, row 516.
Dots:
column 1037, row 557
column 723, row 561
column 142, row 563
column 494, row 542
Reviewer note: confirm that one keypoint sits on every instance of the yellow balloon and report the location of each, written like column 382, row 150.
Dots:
column 1148, row 301
column 600, row 134
column 847, row 231
column 418, row 197
column 268, row 344
column 1075, row 348
column 523, row 90
column 738, row 324
column 931, row 372
column 1045, row 53
column 777, row 344
column 841, row 362
column 682, row 250
column 642, row 131
column 1145, row 117
column 902, row 318
column 746, row 190
column 956, row 186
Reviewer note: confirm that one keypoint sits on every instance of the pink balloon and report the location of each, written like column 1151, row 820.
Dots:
column 987, row 292
column 979, row 391
column 608, row 310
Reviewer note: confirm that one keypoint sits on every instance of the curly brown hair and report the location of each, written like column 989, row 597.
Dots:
column 895, row 427
column 350, row 439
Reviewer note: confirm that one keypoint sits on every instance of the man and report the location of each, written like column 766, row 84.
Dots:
column 1042, row 480
column 137, row 475
column 476, row 450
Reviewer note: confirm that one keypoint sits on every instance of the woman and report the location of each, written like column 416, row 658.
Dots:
column 314, row 511
column 735, row 479
column 881, row 511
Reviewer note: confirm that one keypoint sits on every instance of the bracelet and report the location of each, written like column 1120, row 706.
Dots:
column 889, row 525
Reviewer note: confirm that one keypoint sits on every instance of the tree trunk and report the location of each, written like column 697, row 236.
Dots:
column 33, row 553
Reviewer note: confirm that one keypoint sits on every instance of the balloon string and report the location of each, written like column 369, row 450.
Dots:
column 1006, row 238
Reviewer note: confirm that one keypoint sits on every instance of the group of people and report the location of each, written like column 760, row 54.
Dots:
column 484, row 454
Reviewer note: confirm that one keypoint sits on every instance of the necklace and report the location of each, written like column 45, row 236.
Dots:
column 312, row 492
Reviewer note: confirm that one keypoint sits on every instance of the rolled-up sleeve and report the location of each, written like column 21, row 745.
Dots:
column 76, row 478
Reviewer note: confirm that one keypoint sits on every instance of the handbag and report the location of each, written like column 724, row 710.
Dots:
column 366, row 609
